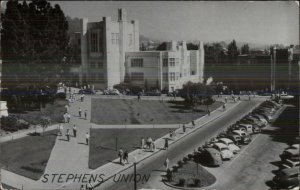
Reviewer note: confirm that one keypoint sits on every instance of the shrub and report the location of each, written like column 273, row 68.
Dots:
column 197, row 182
column 169, row 175
column 190, row 156
column 180, row 163
column 175, row 168
column 181, row 182
column 185, row 159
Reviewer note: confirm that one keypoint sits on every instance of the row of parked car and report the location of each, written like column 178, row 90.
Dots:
column 288, row 175
column 229, row 142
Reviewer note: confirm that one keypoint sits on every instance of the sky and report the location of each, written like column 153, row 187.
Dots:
column 253, row 22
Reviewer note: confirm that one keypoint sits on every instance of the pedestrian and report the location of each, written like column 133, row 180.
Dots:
column 68, row 134
column 221, row 94
column 125, row 157
column 68, row 117
column 65, row 118
column 87, row 137
column 120, row 154
column 208, row 112
column 59, row 130
column 166, row 164
column 139, row 97
column 85, row 114
column 153, row 145
column 239, row 98
column 183, row 128
column 171, row 134
column 142, row 143
column 74, row 130
column 225, row 99
column 79, row 112
column 166, row 144
column 249, row 98
column 193, row 123
column 224, row 107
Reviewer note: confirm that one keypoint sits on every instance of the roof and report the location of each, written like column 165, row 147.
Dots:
column 226, row 140
column 211, row 150
column 293, row 151
column 290, row 171
column 220, row 145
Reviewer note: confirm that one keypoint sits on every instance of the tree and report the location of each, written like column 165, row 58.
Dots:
column 191, row 46
column 162, row 47
column 245, row 49
column 232, row 50
column 33, row 41
column 45, row 122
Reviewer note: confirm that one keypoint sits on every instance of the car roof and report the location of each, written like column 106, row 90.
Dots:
column 226, row 140
column 238, row 131
column 220, row 145
column 291, row 171
column 212, row 150
column 293, row 151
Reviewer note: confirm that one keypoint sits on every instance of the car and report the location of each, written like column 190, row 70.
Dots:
column 292, row 154
column 211, row 157
column 114, row 92
column 287, row 178
column 245, row 136
column 245, row 127
column 290, row 163
column 260, row 118
column 86, row 91
column 268, row 117
column 235, row 138
column 229, row 143
column 153, row 93
column 226, row 154
column 294, row 146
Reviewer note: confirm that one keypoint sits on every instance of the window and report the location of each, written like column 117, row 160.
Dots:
column 117, row 38
column 129, row 39
column 172, row 76
column 165, row 76
column 112, row 38
column 172, row 62
column 137, row 76
column 165, row 62
column 193, row 72
column 94, row 42
column 136, row 62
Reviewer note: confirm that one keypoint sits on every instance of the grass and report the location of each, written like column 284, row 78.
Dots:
column 54, row 111
column 103, row 143
column 115, row 112
column 188, row 172
column 27, row 156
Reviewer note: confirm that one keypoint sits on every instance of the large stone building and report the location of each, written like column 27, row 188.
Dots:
column 110, row 55
column 103, row 47
column 165, row 70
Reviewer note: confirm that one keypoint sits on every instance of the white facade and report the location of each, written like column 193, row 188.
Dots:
column 103, row 47
column 165, row 70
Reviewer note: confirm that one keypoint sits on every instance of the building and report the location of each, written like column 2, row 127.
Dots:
column 110, row 55
column 103, row 47
column 165, row 70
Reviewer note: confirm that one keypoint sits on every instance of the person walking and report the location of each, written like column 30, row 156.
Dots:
column 208, row 112
column 171, row 134
column 79, row 112
column 59, row 130
column 239, row 98
column 139, row 97
column 125, row 157
column 85, row 114
column 224, row 107
column 74, row 130
column 166, row 144
column 65, row 118
column 68, row 117
column 87, row 137
column 121, row 154
column 193, row 123
column 225, row 99
column 68, row 134
column 183, row 128
column 142, row 143
column 166, row 164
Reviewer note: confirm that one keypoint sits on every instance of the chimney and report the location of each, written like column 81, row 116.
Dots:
column 121, row 14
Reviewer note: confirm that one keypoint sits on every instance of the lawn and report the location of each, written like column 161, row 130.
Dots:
column 54, row 111
column 27, row 156
column 113, row 112
column 103, row 143
column 188, row 173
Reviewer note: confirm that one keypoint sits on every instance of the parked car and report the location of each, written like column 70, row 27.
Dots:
column 153, row 93
column 260, row 118
column 294, row 146
column 267, row 116
column 245, row 136
column 248, row 128
column 211, row 156
column 226, row 154
column 235, row 138
column 290, row 163
column 112, row 92
column 287, row 178
column 292, row 154
column 86, row 91
column 229, row 143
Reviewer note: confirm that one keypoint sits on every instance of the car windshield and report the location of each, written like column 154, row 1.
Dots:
column 224, row 148
column 230, row 143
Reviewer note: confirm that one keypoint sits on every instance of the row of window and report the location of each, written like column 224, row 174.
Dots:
column 137, row 62
column 171, row 62
column 115, row 38
column 172, row 76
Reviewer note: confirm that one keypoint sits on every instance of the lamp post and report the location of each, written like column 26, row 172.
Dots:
column 134, row 172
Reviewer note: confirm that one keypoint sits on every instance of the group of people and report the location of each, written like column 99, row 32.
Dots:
column 68, row 133
column 80, row 113
column 148, row 144
column 123, row 156
column 67, row 117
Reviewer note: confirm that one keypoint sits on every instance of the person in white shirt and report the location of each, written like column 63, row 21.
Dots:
column 87, row 137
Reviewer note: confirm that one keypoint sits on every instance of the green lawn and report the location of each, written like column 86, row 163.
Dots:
column 28, row 156
column 109, row 111
column 103, row 142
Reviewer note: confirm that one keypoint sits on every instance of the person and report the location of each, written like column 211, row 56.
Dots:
column 153, row 145
column 208, row 112
column 224, row 107
column 68, row 134
column 221, row 93
column 142, row 143
column 74, row 130
column 225, row 99
column 87, row 137
column 183, row 128
column 171, row 134
column 59, row 130
column 249, row 98
column 239, row 98
column 82, row 97
column 121, row 156
column 166, row 144
column 166, row 164
column 65, row 118
column 139, row 97
column 68, row 117
column 79, row 112
column 85, row 114
column 125, row 157
column 193, row 123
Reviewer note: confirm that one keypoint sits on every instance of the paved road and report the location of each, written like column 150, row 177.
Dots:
column 154, row 166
